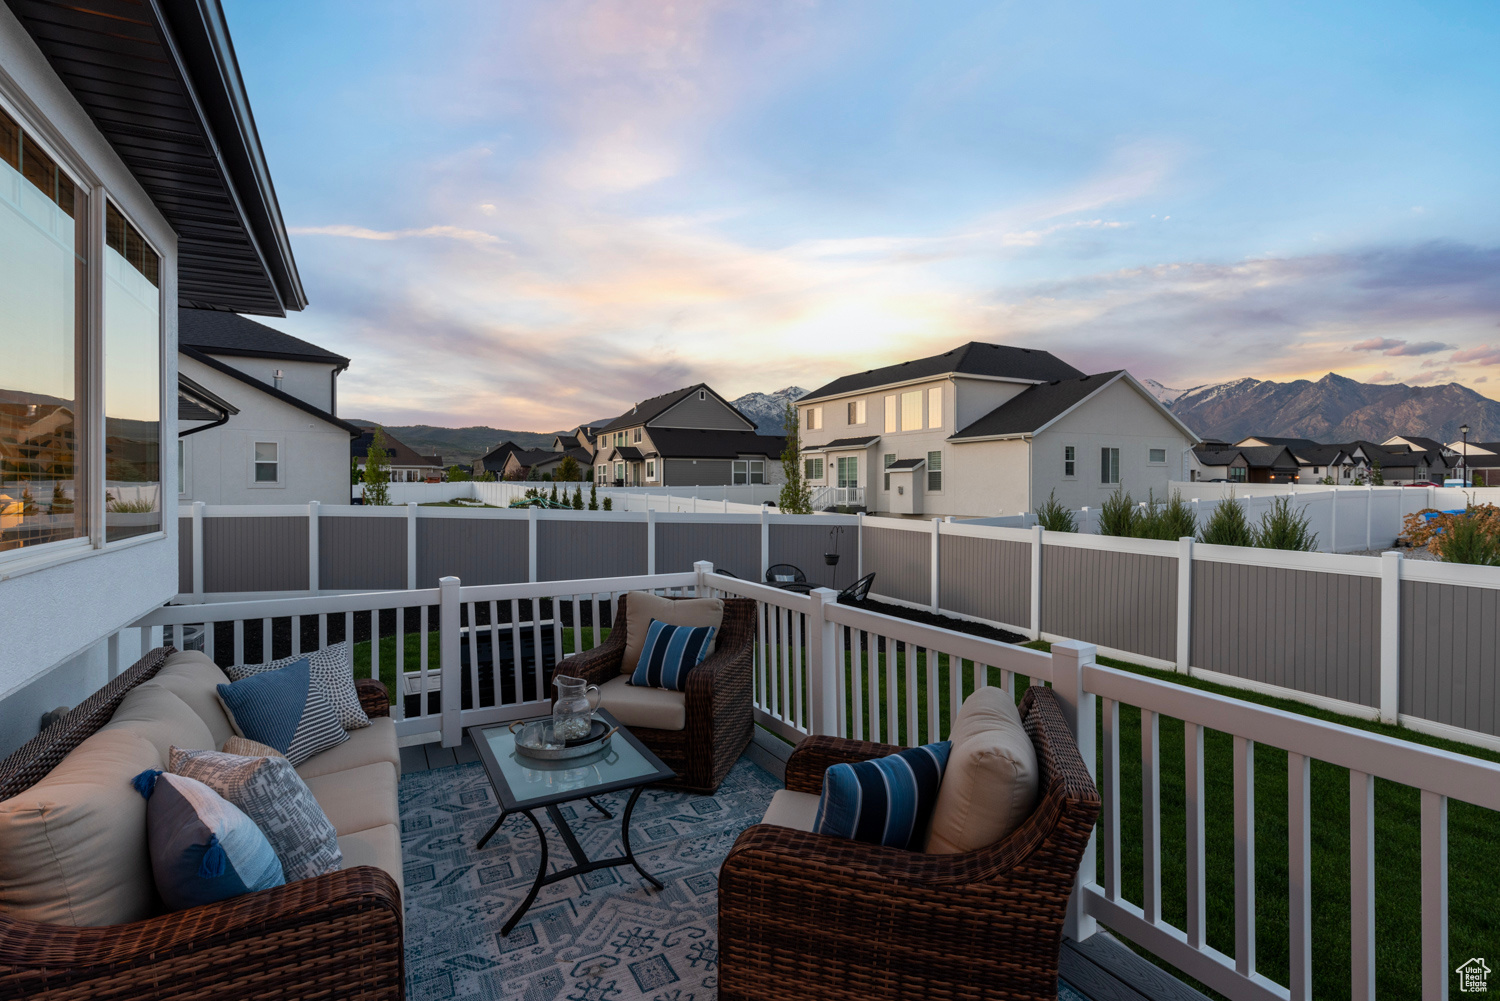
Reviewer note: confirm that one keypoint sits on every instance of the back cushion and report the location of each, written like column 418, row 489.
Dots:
column 992, row 779
column 642, row 607
column 73, row 847
column 195, row 679
column 151, row 710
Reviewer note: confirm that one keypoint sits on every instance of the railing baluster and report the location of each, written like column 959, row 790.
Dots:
column 840, row 682
column 1299, row 873
column 295, row 622
column 471, row 638
column 773, row 616
column 401, row 661
column 1109, row 778
column 209, row 647
column 538, row 667
column 594, row 639
column 893, row 692
column 798, row 623
column 1244, row 856
column 857, row 676
column 515, row 650
column 422, row 653
column 934, row 660
column 497, row 674
column 760, row 655
column 872, row 654
column 784, row 623
column 1197, row 902
column 955, row 690
column 981, row 676
column 374, row 645
column 1361, row 886
column 266, row 656
column 1434, row 896
column 557, row 629
column 577, row 625
column 1151, row 815
column 911, row 738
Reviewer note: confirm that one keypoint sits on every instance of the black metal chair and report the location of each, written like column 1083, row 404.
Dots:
column 781, row 574
column 856, row 593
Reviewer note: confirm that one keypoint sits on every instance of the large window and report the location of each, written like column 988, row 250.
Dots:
column 812, row 419
column 935, row 407
column 43, row 331
column 1109, row 465
column 890, row 415
column 856, row 412
column 749, row 471
column 848, row 470
column 812, row 469
column 911, row 410
column 1238, row 474
column 132, row 381
column 934, row 471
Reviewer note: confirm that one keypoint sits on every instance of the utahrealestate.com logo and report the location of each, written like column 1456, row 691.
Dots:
column 1473, row 977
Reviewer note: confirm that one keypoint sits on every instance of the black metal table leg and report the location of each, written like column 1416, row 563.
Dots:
column 625, row 837
column 493, row 828
column 541, row 876
column 595, row 804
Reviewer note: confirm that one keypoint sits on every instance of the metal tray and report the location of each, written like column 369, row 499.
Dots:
column 535, row 740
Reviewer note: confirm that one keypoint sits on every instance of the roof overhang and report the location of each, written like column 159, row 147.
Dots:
column 196, row 402
column 935, row 377
column 848, row 446
column 1121, row 375
column 160, row 81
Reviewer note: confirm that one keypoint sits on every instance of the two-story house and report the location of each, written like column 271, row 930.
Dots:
column 688, row 437
column 281, row 441
column 987, row 429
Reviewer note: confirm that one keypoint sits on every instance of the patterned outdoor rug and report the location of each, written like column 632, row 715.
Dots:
column 606, row 936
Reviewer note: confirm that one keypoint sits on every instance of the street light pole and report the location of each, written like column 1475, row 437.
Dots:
column 1464, row 461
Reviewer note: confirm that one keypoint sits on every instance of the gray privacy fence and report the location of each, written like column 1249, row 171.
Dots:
column 1408, row 640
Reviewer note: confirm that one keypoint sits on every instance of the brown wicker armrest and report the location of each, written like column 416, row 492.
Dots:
column 598, row 665
column 337, row 935
column 815, row 755
column 374, row 699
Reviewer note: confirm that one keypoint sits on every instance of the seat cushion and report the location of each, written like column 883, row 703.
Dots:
column 379, row 846
column 634, row 705
column 884, row 801
column 376, row 742
column 153, row 711
column 643, row 607
column 73, row 846
column 286, row 709
column 797, row 810
column 358, row 798
column 203, row 847
column 194, row 679
column 991, row 783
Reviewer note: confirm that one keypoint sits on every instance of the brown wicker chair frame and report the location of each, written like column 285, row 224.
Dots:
column 334, row 936
column 719, row 720
column 812, row 916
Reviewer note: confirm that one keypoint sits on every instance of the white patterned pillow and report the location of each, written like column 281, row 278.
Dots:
column 269, row 791
column 332, row 672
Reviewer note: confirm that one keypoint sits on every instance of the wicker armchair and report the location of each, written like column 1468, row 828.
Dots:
column 336, row 935
column 812, row 916
column 719, row 719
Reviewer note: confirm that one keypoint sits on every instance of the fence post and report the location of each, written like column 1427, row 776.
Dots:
column 313, row 558
column 1333, row 522
column 937, row 548
column 197, row 552
column 1390, row 637
column 531, row 543
column 765, row 542
column 1369, row 505
column 859, row 544
column 822, row 682
column 1184, row 604
column 1084, row 528
column 1069, row 660
column 1036, row 581
column 411, row 546
column 702, row 568
column 451, row 670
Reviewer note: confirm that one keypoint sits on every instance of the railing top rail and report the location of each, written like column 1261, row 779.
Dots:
column 767, row 593
column 586, row 585
column 966, row 646
column 1458, row 776
column 273, row 608
column 1438, row 572
column 1110, row 543
column 1340, row 563
column 981, row 531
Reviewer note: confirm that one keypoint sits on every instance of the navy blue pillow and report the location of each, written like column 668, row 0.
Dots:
column 884, row 801
column 285, row 710
column 669, row 653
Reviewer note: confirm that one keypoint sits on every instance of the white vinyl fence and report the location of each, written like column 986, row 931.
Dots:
column 746, row 498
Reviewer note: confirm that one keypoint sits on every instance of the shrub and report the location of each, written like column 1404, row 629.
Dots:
column 1147, row 522
column 568, row 470
column 1117, row 515
column 1377, row 478
column 578, row 498
column 1178, row 519
column 1285, row 527
column 593, row 496
column 1227, row 526
column 609, row 504
column 1472, row 537
column 377, row 471
column 554, row 493
column 1053, row 517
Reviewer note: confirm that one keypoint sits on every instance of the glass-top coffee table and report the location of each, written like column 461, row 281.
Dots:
column 525, row 784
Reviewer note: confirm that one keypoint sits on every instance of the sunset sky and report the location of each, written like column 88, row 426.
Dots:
column 527, row 215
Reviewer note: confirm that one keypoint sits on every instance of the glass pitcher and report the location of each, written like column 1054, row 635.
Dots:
column 573, row 712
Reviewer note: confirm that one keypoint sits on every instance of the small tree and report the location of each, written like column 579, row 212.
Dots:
column 593, row 496
column 1117, row 514
column 795, row 498
column 553, row 498
column 355, row 473
column 61, row 502
column 458, row 474
column 1377, row 478
column 516, row 475
column 568, row 470
column 1178, row 519
column 1284, row 527
column 1053, row 517
column 377, row 471
column 1227, row 526
column 608, row 504
column 532, row 476
column 578, row 498
column 1327, row 481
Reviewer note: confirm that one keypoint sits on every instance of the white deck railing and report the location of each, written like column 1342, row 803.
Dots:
column 826, row 668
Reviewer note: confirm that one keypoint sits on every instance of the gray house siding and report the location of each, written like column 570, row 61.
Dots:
column 361, row 554
column 985, row 578
column 1127, row 601
column 1449, row 638
column 254, row 554
column 707, row 413
column 697, row 473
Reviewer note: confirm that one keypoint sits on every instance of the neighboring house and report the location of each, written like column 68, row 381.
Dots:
column 495, row 460
column 1245, row 464
column 539, row 463
column 132, row 183
column 688, row 437
column 406, row 465
column 988, row 429
column 1481, row 465
column 1399, row 463
column 280, row 440
column 1314, row 460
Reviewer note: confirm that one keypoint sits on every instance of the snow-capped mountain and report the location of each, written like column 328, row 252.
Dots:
column 768, row 409
column 1165, row 395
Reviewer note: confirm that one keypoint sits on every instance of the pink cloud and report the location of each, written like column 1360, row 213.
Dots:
column 1484, row 355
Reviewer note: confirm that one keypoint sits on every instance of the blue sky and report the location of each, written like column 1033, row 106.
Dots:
column 531, row 214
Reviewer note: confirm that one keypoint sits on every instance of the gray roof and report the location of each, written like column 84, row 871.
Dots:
column 1318, row 455
column 904, row 464
column 861, row 442
column 691, row 443
column 1216, row 456
column 268, row 389
column 649, row 410
column 399, row 452
column 1292, row 443
column 1036, row 406
column 221, row 333
column 1268, row 457
column 974, row 358
column 1425, row 444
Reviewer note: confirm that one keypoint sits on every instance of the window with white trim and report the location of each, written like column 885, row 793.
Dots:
column 848, row 471
column 935, row 407
column 891, row 415
column 934, row 472
column 636, row 436
column 266, row 463
column 856, row 412
column 1109, row 465
column 812, row 469
column 650, row 469
column 749, row 471
column 1156, row 456
column 812, row 419
column 887, row 461
column 1070, row 461
column 911, row 410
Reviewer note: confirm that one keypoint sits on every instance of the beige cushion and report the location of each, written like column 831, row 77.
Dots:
column 376, row 742
column 247, row 748
column 634, row 705
column 73, row 846
column 643, row 607
column 991, row 782
column 358, row 798
column 162, row 718
column 194, row 679
column 379, row 846
column 796, row 810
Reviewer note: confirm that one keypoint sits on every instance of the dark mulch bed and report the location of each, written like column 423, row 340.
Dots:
column 943, row 621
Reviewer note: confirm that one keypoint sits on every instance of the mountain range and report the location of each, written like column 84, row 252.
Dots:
column 461, row 445
column 768, row 410
column 1334, row 409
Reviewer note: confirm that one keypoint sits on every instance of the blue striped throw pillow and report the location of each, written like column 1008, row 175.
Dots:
column 885, row 801
column 669, row 653
column 284, row 709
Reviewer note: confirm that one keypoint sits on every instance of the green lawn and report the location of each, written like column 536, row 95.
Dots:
column 434, row 651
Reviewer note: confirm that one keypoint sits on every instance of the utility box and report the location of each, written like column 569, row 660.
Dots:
column 907, row 479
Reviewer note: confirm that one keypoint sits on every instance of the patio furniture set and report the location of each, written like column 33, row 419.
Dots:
column 975, row 908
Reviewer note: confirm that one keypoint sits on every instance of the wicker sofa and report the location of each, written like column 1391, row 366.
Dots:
column 717, row 723
column 338, row 935
column 809, row 916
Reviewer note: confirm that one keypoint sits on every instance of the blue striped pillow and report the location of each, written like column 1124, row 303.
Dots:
column 285, row 710
column 884, row 801
column 669, row 653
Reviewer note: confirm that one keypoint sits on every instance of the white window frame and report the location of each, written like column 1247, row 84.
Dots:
column 1070, row 462
column 636, row 436
column 936, row 470
column 280, row 481
column 856, row 413
column 650, row 469
column 892, row 414
column 935, row 407
column 911, row 406
column 1154, row 461
column 807, row 468
column 182, row 461
column 1110, row 477
column 852, row 479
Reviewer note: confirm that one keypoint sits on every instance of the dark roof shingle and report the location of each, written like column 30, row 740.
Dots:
column 1036, row 406
column 974, row 358
column 221, row 333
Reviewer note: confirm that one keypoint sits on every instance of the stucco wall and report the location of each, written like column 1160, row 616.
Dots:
column 306, row 380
